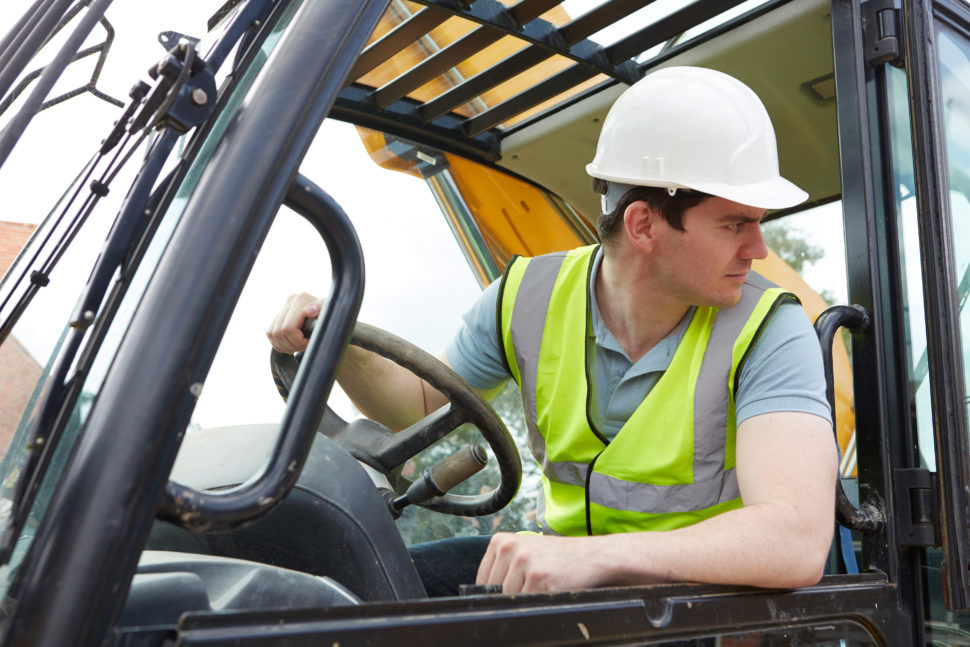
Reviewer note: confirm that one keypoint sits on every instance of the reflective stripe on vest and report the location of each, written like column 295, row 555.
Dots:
column 671, row 464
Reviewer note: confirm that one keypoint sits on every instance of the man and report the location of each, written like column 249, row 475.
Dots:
column 674, row 399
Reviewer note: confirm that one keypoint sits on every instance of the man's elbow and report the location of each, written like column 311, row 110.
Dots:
column 807, row 564
column 810, row 571
column 801, row 549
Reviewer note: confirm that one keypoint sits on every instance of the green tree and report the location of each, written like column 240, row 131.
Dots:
column 795, row 251
column 418, row 525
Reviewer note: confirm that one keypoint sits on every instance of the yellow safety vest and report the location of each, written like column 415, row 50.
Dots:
column 673, row 463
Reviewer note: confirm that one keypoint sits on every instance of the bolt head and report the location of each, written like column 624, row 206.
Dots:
column 199, row 97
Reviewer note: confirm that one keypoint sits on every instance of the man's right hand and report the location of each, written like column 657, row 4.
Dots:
column 285, row 332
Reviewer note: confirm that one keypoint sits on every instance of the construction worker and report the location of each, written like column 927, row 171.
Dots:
column 675, row 400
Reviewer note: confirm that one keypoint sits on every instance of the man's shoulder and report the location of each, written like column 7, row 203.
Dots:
column 784, row 369
column 790, row 313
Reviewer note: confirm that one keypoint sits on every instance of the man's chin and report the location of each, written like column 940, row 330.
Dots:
column 727, row 300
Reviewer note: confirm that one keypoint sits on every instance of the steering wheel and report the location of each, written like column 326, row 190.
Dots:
column 377, row 446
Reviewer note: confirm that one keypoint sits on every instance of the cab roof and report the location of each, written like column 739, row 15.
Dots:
column 525, row 85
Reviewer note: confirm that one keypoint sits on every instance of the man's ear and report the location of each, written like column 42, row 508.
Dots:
column 640, row 223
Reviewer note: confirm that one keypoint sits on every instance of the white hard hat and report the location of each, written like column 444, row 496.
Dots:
column 694, row 128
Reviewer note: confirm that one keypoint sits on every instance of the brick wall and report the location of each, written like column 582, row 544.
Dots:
column 13, row 235
column 19, row 371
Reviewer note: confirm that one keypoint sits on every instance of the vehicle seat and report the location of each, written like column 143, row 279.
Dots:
column 333, row 523
column 168, row 584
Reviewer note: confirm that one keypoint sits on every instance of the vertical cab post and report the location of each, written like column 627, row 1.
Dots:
column 879, row 369
column 922, row 20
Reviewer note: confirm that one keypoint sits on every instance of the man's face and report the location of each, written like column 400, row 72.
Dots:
column 707, row 262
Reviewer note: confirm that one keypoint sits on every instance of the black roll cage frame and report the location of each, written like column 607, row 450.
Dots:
column 79, row 536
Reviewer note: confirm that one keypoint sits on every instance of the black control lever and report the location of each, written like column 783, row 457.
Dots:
column 437, row 480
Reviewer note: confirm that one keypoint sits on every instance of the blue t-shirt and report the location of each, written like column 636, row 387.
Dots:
column 783, row 372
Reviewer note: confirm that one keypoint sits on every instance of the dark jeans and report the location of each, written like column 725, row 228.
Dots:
column 444, row 565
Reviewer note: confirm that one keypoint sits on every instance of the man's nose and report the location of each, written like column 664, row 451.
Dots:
column 754, row 246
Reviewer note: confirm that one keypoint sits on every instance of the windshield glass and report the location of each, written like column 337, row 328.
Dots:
column 42, row 330
column 407, row 294
column 418, row 284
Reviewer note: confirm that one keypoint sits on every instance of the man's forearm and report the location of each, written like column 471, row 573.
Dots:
column 384, row 391
column 759, row 545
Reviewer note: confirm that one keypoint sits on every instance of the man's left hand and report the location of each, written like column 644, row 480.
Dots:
column 533, row 563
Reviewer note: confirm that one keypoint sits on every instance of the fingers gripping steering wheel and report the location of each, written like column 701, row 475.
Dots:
column 375, row 445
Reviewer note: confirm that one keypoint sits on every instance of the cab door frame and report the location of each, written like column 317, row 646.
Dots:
column 944, row 345
column 880, row 376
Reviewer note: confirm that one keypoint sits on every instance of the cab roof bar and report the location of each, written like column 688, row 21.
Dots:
column 483, row 81
column 600, row 17
column 569, row 35
column 434, row 66
column 528, row 10
column 397, row 39
column 496, row 21
column 401, row 119
column 710, row 34
column 568, row 78
column 401, row 116
column 616, row 54
column 666, row 28
column 389, row 108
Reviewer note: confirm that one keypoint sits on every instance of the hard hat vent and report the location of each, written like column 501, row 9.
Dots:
column 652, row 167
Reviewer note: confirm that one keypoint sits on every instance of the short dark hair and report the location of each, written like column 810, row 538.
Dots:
column 671, row 207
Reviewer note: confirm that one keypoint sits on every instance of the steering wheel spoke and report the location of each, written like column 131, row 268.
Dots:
column 419, row 436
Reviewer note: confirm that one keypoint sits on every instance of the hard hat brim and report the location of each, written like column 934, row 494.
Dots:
column 776, row 193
